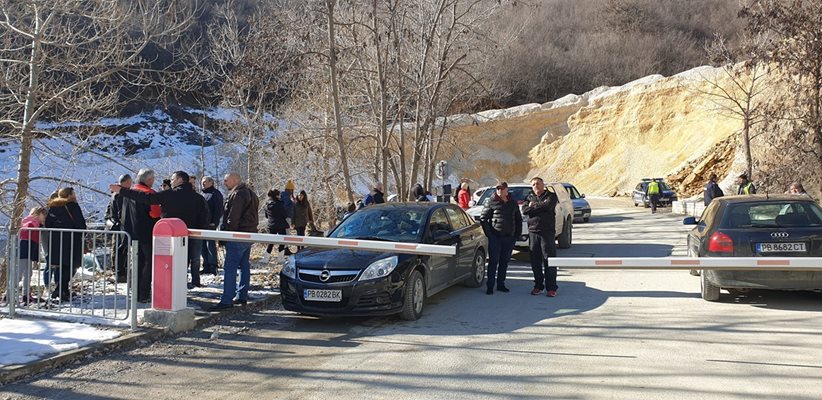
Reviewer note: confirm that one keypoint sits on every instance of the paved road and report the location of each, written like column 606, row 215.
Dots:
column 608, row 335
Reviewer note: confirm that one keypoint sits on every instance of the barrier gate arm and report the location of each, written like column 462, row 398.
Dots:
column 324, row 242
column 687, row 263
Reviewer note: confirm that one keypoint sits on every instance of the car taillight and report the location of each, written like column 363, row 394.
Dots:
column 720, row 243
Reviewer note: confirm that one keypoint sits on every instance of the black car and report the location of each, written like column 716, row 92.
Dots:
column 757, row 226
column 347, row 282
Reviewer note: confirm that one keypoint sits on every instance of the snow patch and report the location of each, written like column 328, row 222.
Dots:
column 23, row 340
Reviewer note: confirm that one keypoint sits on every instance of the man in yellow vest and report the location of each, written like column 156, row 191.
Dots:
column 652, row 192
column 745, row 186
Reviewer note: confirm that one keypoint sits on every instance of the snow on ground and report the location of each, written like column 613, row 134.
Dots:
column 26, row 340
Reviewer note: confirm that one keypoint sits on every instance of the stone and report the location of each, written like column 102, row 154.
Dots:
column 173, row 321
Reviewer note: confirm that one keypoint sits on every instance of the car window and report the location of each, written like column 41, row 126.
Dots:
column 709, row 214
column 455, row 215
column 467, row 218
column 639, row 187
column 386, row 223
column 518, row 193
column 439, row 222
column 784, row 214
column 573, row 192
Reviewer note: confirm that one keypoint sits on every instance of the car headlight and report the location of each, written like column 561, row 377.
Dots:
column 379, row 269
column 290, row 267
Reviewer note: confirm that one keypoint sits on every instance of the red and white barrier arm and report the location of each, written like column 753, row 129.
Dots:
column 324, row 242
column 683, row 263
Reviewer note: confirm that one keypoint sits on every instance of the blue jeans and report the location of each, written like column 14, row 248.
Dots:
column 500, row 249
column 236, row 257
column 209, row 256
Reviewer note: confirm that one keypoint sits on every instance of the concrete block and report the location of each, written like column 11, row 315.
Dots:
column 173, row 321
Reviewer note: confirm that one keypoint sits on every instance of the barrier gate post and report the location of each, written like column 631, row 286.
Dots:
column 169, row 277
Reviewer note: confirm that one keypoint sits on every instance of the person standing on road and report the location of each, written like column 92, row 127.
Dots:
column 712, row 190
column 240, row 215
column 745, row 186
column 180, row 202
column 287, row 197
column 540, row 207
column 464, row 196
column 303, row 215
column 66, row 253
column 502, row 223
column 214, row 200
column 113, row 223
column 138, row 221
column 652, row 193
column 277, row 224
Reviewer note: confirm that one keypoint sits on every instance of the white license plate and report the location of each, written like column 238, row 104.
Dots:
column 334, row 296
column 780, row 247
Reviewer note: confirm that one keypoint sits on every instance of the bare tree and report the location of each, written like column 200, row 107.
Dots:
column 736, row 90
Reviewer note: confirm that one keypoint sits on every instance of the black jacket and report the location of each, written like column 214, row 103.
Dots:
column 501, row 218
column 180, row 202
column 542, row 214
column 65, row 248
column 214, row 199
column 303, row 215
column 276, row 215
column 113, row 212
column 712, row 191
column 241, row 210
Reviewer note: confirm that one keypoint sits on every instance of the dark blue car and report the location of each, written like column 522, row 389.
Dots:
column 666, row 195
column 582, row 209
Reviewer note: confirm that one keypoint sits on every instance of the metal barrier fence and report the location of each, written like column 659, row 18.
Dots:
column 70, row 272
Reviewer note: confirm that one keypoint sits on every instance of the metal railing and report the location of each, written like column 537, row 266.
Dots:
column 85, row 274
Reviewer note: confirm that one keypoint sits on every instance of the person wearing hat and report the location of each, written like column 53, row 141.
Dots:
column 113, row 223
column 541, row 209
column 502, row 223
column 745, row 186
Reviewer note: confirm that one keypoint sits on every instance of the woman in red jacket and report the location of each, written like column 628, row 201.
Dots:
column 464, row 196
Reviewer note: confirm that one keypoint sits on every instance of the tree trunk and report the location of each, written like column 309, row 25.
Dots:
column 335, row 96
column 746, row 146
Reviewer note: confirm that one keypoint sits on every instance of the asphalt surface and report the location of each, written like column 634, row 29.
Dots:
column 608, row 335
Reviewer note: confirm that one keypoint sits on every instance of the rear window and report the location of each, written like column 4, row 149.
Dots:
column 519, row 193
column 785, row 214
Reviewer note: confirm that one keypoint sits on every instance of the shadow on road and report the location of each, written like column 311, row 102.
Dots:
column 778, row 300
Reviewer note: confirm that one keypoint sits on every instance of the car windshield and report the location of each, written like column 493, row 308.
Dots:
column 519, row 193
column 783, row 214
column 662, row 186
column 573, row 192
column 393, row 224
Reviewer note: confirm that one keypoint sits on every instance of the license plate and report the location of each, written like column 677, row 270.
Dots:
column 334, row 296
column 780, row 247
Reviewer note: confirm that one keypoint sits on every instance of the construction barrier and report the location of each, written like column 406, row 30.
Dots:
column 685, row 263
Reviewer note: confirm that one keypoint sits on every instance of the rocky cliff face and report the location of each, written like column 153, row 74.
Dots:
column 606, row 140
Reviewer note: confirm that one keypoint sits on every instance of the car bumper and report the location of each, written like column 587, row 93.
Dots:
column 372, row 298
column 582, row 213
column 777, row 280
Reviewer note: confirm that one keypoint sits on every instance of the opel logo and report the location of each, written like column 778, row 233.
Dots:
column 325, row 275
column 776, row 235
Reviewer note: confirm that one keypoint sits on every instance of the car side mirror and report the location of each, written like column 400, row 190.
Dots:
column 472, row 203
column 689, row 221
column 440, row 236
column 582, row 196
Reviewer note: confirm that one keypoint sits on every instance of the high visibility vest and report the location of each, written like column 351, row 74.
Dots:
column 747, row 188
column 653, row 188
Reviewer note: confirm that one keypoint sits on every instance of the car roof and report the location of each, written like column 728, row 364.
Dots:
column 412, row 205
column 763, row 198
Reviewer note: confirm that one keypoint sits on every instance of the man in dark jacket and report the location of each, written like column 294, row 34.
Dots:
column 214, row 199
column 375, row 196
column 502, row 223
column 113, row 214
column 66, row 248
column 240, row 215
column 180, row 202
column 276, row 218
column 540, row 207
column 712, row 190
column 138, row 221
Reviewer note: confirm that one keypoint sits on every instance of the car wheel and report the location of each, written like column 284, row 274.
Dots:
column 477, row 271
column 413, row 297
column 565, row 238
column 709, row 291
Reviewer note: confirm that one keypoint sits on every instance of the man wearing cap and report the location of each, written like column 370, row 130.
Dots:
column 540, row 207
column 113, row 223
